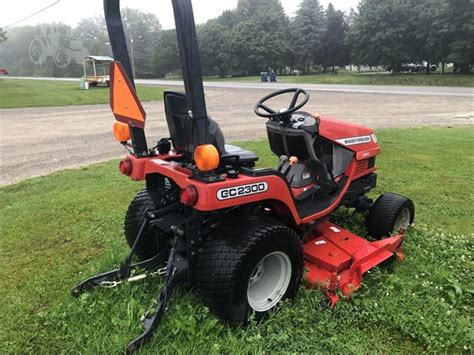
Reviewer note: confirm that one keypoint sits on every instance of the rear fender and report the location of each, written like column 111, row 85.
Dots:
column 214, row 196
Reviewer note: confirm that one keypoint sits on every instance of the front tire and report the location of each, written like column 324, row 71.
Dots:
column 249, row 265
column 389, row 214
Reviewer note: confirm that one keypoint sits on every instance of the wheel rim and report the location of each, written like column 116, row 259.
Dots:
column 403, row 219
column 269, row 281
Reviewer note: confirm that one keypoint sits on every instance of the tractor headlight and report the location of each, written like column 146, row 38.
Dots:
column 374, row 137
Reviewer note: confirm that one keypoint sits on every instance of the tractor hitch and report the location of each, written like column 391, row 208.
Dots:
column 122, row 274
column 115, row 277
column 175, row 272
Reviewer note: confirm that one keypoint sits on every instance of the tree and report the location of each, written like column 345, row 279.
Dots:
column 459, row 26
column 93, row 32
column 166, row 54
column 430, row 34
column 348, row 40
column 14, row 53
column 228, row 19
column 3, row 35
column 142, row 31
column 351, row 17
column 384, row 33
column 334, row 51
column 307, row 33
column 260, row 38
column 213, row 46
column 246, row 40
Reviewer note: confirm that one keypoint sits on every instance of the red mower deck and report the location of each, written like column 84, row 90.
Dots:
column 336, row 259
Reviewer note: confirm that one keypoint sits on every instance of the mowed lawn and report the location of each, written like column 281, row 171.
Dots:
column 348, row 78
column 59, row 229
column 16, row 93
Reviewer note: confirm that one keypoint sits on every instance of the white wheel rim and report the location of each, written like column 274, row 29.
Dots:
column 403, row 219
column 269, row 281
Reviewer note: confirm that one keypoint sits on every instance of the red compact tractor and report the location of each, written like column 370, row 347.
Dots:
column 243, row 238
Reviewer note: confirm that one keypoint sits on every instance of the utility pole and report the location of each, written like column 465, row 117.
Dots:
column 131, row 54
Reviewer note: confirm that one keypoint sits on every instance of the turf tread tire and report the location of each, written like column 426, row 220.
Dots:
column 133, row 221
column 226, row 261
column 383, row 214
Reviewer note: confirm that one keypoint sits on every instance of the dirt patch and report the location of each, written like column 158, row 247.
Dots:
column 37, row 141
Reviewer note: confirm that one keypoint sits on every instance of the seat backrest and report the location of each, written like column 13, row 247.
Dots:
column 180, row 125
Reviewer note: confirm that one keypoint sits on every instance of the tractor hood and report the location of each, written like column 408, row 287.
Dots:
column 349, row 135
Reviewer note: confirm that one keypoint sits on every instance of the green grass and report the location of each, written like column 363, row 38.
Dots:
column 345, row 77
column 15, row 93
column 58, row 229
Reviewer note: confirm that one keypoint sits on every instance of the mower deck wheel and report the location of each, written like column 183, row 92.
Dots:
column 248, row 265
column 389, row 214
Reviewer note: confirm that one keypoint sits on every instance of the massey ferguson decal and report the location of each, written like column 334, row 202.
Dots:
column 242, row 190
column 354, row 140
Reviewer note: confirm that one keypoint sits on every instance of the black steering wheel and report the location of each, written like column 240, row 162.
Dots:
column 283, row 114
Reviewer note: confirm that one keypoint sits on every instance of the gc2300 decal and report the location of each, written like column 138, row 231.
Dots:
column 242, row 190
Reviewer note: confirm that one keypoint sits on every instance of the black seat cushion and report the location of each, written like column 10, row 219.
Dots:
column 245, row 156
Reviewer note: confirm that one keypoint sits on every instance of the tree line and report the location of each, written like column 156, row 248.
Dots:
column 258, row 35
column 3, row 36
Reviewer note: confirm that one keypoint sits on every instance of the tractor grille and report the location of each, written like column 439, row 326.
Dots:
column 361, row 167
column 371, row 163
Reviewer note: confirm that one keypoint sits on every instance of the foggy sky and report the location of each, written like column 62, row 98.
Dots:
column 71, row 11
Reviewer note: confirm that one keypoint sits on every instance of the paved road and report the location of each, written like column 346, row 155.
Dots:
column 37, row 141
column 366, row 89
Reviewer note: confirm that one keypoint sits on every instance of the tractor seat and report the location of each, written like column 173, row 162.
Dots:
column 245, row 156
column 181, row 130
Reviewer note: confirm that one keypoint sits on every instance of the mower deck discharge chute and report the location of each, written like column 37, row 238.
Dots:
column 241, row 237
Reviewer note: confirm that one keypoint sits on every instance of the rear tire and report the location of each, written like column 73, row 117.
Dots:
column 148, row 245
column 388, row 214
column 249, row 265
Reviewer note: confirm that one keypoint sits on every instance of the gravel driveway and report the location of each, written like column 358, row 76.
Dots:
column 37, row 141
